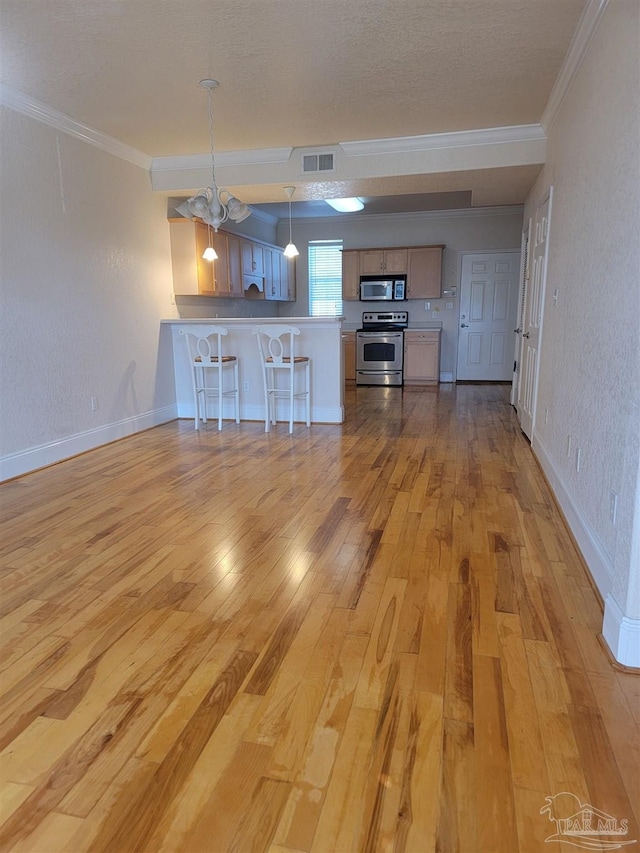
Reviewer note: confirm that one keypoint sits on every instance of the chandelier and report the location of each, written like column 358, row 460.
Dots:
column 212, row 204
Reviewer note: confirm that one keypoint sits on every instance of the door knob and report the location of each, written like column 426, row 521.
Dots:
column 517, row 331
column 526, row 335
column 464, row 325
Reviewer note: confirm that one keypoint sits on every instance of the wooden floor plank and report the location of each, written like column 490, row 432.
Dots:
column 363, row 637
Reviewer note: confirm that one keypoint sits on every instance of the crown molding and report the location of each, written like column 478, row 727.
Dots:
column 434, row 141
column 589, row 21
column 15, row 100
column 460, row 213
column 251, row 157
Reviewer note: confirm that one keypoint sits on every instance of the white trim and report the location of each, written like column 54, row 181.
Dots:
column 17, row 464
column 591, row 17
column 250, row 157
column 434, row 141
column 461, row 213
column 35, row 109
column 446, row 377
column 592, row 550
column 621, row 634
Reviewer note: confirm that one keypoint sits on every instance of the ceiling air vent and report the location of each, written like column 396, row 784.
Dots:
column 318, row 163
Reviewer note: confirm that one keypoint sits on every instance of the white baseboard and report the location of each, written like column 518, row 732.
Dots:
column 446, row 377
column 17, row 464
column 588, row 542
column 621, row 634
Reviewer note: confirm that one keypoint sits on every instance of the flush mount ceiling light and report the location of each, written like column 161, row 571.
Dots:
column 345, row 205
column 290, row 251
column 213, row 205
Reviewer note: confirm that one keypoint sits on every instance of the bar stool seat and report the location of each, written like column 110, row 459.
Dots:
column 276, row 346
column 204, row 345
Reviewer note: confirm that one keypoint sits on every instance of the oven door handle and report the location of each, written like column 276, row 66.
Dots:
column 379, row 334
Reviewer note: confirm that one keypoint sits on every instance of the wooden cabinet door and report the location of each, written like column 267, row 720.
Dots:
column 424, row 274
column 371, row 261
column 184, row 264
column 395, row 261
column 421, row 358
column 234, row 252
column 350, row 274
column 287, row 278
column 272, row 277
column 252, row 258
column 349, row 355
column 220, row 266
column 205, row 268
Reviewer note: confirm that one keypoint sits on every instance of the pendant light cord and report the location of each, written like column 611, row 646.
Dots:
column 290, row 240
column 213, row 165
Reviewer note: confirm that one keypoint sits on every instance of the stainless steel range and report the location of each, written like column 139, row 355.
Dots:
column 380, row 348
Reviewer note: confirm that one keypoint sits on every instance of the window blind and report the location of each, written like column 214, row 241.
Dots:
column 325, row 278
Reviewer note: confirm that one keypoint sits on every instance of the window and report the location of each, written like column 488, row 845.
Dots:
column 325, row 278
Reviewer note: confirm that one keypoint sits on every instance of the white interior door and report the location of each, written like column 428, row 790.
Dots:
column 488, row 312
column 534, row 305
column 522, row 297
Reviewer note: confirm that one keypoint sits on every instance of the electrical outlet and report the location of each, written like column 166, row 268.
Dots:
column 427, row 306
column 434, row 315
column 568, row 445
column 94, row 404
column 578, row 459
column 613, row 507
column 448, row 306
column 546, row 415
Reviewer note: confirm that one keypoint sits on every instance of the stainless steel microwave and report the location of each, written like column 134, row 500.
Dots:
column 376, row 289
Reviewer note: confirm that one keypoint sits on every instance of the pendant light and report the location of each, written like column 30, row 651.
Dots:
column 210, row 253
column 290, row 250
column 213, row 205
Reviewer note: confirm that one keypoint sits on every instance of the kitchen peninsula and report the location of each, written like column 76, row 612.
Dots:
column 320, row 339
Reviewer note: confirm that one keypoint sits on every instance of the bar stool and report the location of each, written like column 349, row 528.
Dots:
column 204, row 344
column 276, row 344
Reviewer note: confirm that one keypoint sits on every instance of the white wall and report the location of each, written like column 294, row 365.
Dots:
column 86, row 278
column 459, row 231
column 590, row 358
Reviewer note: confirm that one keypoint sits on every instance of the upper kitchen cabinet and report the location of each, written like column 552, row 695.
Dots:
column 386, row 261
column 424, row 273
column 279, row 276
column 350, row 274
column 192, row 276
column 244, row 268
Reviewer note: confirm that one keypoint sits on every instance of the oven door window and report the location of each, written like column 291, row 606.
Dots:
column 379, row 351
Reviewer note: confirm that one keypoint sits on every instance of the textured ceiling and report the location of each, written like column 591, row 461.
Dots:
column 292, row 72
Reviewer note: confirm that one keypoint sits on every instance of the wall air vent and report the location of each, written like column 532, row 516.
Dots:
column 318, row 162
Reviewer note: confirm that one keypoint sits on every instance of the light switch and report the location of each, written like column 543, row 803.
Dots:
column 427, row 306
column 448, row 306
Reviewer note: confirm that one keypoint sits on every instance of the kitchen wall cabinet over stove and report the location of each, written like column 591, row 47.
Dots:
column 387, row 261
column 421, row 264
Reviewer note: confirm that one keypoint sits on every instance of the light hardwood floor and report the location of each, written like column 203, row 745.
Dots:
column 373, row 637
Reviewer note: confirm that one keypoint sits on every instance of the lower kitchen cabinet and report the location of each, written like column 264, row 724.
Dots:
column 349, row 355
column 421, row 358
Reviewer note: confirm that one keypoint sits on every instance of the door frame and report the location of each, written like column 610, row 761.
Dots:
column 547, row 198
column 461, row 254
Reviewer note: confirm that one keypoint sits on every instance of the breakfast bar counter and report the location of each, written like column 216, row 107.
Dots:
column 319, row 339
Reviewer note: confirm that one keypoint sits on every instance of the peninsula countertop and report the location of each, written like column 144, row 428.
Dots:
column 319, row 340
